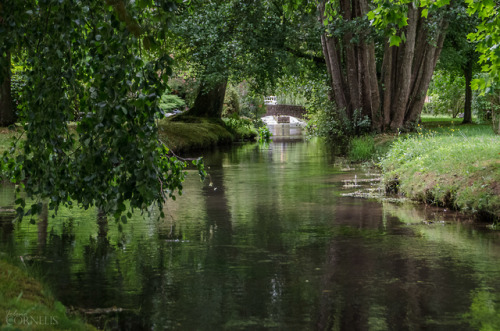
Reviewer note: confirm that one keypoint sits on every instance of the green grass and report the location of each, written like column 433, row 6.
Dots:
column 26, row 304
column 6, row 136
column 361, row 148
column 369, row 147
column 456, row 166
column 439, row 119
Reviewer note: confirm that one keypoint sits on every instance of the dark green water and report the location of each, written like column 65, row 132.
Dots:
column 268, row 242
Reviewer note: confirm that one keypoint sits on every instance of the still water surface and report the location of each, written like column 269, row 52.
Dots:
column 269, row 242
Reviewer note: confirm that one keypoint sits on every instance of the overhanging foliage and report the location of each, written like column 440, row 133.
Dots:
column 89, row 57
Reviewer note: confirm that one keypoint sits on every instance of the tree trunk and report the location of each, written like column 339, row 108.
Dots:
column 392, row 96
column 468, row 93
column 209, row 103
column 424, row 76
column 398, row 110
column 333, row 64
column 351, row 59
column 372, row 93
column 7, row 109
column 386, row 86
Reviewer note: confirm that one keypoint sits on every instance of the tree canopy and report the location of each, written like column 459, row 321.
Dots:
column 487, row 34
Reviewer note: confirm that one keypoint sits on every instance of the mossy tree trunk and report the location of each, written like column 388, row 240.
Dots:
column 209, row 101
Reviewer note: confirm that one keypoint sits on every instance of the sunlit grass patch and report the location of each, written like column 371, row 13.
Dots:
column 431, row 120
column 454, row 166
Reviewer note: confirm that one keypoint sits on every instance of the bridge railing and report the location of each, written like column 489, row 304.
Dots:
column 271, row 100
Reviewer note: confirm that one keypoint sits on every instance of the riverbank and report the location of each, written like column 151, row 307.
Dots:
column 26, row 304
column 193, row 133
column 447, row 164
column 183, row 134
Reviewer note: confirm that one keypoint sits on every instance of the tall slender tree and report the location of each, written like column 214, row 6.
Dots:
column 459, row 56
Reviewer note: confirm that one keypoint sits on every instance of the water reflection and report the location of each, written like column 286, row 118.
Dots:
column 268, row 242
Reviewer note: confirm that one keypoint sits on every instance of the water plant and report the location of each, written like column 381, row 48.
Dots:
column 264, row 134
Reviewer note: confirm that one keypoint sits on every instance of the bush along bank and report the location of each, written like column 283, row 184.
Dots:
column 457, row 167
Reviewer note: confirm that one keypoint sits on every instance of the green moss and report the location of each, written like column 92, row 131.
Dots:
column 193, row 133
column 26, row 304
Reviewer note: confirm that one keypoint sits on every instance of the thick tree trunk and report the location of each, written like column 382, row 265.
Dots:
column 386, row 86
column 398, row 109
column 392, row 96
column 351, row 58
column 468, row 93
column 7, row 109
column 333, row 64
column 370, row 68
column 423, row 78
column 209, row 103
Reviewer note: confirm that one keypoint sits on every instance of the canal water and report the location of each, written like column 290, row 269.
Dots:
column 268, row 241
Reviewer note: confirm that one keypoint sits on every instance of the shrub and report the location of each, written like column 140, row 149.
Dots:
column 333, row 124
column 18, row 81
column 242, row 128
column 231, row 102
column 446, row 94
column 252, row 105
column 171, row 102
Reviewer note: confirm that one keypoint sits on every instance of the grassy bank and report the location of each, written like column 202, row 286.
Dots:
column 193, row 135
column 26, row 304
column 181, row 135
column 447, row 164
column 189, row 133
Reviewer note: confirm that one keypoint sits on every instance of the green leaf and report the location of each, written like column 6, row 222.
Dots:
column 394, row 40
